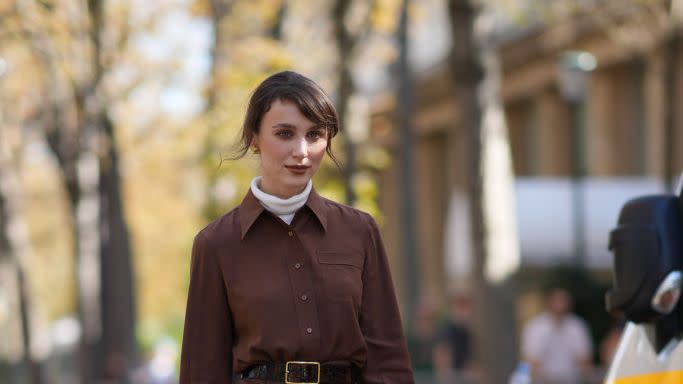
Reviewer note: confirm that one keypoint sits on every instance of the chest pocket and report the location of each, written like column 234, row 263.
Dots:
column 341, row 272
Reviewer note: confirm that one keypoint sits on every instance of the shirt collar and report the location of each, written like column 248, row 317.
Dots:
column 250, row 209
column 317, row 205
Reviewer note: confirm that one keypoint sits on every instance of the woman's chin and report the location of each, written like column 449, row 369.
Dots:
column 297, row 185
column 297, row 178
column 291, row 185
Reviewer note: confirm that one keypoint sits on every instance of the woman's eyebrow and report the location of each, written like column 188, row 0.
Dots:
column 292, row 126
column 284, row 125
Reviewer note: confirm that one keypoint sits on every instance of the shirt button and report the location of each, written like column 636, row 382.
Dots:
column 290, row 233
column 304, row 297
column 309, row 330
column 297, row 265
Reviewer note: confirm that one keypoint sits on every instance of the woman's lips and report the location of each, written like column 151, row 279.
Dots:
column 298, row 169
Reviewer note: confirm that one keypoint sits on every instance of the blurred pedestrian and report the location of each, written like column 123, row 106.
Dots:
column 423, row 337
column 458, row 332
column 445, row 372
column 442, row 357
column 556, row 342
column 290, row 286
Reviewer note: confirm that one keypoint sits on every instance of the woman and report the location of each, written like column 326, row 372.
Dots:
column 289, row 286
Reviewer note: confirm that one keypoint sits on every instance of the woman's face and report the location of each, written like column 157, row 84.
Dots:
column 291, row 147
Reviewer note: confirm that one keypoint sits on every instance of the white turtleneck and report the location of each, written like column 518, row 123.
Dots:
column 284, row 208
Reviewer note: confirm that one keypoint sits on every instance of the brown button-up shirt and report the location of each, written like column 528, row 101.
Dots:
column 316, row 290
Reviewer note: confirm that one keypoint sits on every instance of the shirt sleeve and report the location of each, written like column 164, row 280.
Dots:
column 206, row 355
column 380, row 321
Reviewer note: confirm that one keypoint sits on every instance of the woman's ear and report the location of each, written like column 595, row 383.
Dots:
column 254, row 145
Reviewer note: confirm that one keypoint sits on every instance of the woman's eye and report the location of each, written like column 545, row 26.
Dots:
column 284, row 133
column 314, row 135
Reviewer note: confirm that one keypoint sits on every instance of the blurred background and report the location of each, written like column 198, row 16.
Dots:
column 493, row 140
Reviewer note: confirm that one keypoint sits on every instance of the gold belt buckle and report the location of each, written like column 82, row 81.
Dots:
column 302, row 363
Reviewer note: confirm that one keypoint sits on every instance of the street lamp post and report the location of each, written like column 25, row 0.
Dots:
column 573, row 70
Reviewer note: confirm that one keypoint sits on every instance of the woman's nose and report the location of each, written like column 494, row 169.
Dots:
column 300, row 148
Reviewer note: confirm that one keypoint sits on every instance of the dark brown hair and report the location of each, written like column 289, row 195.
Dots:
column 290, row 86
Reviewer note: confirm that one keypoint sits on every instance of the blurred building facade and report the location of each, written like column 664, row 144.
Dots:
column 631, row 129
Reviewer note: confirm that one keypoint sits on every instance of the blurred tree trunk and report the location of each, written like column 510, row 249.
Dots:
column 219, row 12
column 62, row 133
column 81, row 189
column 404, row 120
column 64, row 140
column 220, row 9
column 81, row 135
column 476, row 77
column 118, row 346
column 116, row 269
column 345, row 43
column 15, row 243
column 277, row 30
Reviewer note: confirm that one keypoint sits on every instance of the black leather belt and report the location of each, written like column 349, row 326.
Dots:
column 301, row 372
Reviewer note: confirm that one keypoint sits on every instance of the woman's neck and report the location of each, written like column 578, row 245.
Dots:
column 277, row 205
column 280, row 193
